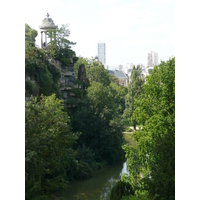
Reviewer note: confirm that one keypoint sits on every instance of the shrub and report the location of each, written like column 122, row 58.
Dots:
column 86, row 155
column 128, row 129
column 83, row 171
column 121, row 189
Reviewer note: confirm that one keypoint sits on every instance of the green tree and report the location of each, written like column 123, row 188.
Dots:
column 30, row 35
column 134, row 90
column 114, row 79
column 119, row 92
column 94, row 69
column 96, row 72
column 152, row 162
column 60, row 47
column 49, row 157
column 100, row 124
column 121, row 189
column 98, row 115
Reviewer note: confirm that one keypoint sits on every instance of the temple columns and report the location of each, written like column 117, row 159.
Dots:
column 41, row 39
column 44, row 34
column 45, row 38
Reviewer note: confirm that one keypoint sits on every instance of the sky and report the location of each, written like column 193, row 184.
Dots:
column 130, row 28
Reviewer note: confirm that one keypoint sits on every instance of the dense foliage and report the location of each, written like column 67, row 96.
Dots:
column 59, row 47
column 152, row 163
column 119, row 93
column 99, row 124
column 134, row 90
column 121, row 189
column 49, row 157
column 41, row 76
column 98, row 116
column 96, row 72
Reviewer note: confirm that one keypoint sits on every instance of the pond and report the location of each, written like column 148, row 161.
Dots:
column 98, row 186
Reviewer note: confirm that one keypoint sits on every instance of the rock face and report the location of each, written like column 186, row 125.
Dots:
column 82, row 74
column 66, row 83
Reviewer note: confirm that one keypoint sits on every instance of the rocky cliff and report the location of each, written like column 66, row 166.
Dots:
column 67, row 83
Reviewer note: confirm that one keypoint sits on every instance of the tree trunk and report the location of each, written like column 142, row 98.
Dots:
column 134, row 126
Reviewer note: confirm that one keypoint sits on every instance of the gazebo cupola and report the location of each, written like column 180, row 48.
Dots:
column 46, row 26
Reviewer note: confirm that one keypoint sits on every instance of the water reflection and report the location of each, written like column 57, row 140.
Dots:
column 97, row 187
column 124, row 169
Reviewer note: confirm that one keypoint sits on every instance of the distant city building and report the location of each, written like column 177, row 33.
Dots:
column 119, row 67
column 102, row 53
column 149, row 69
column 128, row 69
column 152, row 59
column 143, row 69
column 122, row 77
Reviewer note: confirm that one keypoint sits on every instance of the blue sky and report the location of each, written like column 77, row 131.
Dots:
column 130, row 28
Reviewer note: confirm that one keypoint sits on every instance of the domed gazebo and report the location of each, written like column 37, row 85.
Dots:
column 47, row 25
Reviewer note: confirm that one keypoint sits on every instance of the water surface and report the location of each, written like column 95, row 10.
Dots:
column 98, row 186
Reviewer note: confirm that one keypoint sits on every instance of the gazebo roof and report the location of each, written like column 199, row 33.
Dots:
column 47, row 23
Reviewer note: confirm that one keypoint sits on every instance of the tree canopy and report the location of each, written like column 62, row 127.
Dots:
column 152, row 162
column 98, row 120
column 134, row 90
column 60, row 47
column 94, row 69
column 49, row 157
column 99, row 115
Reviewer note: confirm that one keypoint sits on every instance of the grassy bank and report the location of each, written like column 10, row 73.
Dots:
column 129, row 140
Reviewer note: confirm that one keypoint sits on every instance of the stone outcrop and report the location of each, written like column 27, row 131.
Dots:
column 82, row 74
column 66, row 83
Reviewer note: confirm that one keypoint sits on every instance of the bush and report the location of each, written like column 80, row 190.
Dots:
column 83, row 171
column 86, row 155
column 128, row 129
column 49, row 157
column 31, row 88
column 126, row 122
column 100, row 165
column 121, row 189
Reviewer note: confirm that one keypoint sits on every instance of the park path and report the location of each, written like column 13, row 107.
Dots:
column 127, row 133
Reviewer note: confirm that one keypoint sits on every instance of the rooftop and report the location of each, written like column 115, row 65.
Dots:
column 47, row 23
column 118, row 73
